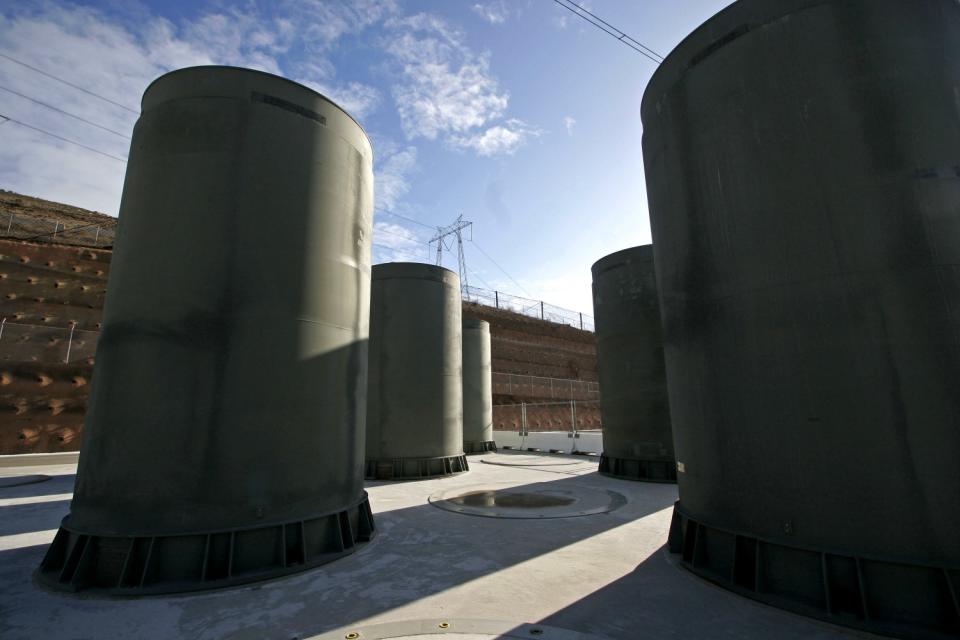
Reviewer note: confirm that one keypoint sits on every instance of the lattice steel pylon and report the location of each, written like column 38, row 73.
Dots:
column 441, row 237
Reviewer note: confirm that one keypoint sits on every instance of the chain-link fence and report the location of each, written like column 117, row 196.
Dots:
column 515, row 384
column 57, row 231
column 37, row 343
column 572, row 416
column 527, row 307
column 103, row 235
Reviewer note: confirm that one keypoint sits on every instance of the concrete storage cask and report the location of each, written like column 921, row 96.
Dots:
column 477, row 388
column 637, row 442
column 801, row 162
column 415, row 393
column 225, row 438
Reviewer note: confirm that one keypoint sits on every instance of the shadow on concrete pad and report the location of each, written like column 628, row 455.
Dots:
column 35, row 516
column 420, row 552
column 665, row 600
column 56, row 485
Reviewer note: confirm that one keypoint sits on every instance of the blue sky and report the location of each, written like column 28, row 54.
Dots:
column 514, row 113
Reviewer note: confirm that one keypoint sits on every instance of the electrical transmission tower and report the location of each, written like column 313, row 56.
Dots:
column 442, row 238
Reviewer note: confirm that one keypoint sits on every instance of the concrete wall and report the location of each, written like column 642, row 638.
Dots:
column 43, row 401
column 44, row 289
column 52, row 285
column 588, row 441
column 529, row 346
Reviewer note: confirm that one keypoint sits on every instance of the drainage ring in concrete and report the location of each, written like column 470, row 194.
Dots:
column 459, row 629
column 534, row 461
column 528, row 502
column 16, row 481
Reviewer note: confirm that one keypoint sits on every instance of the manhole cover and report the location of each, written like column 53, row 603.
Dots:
column 530, row 501
column 511, row 499
column 533, row 461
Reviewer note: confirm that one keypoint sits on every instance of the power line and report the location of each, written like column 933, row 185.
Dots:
column 622, row 34
column 53, row 135
column 399, row 235
column 422, row 224
column 389, row 248
column 69, row 84
column 482, row 281
column 397, row 215
column 66, row 113
column 610, row 30
column 501, row 269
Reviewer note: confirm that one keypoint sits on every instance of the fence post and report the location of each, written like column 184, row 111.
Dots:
column 56, row 227
column 523, row 418
column 69, row 343
column 581, row 321
column 573, row 418
column 496, row 298
column 10, row 224
column 541, row 310
column 2, row 323
column 97, row 241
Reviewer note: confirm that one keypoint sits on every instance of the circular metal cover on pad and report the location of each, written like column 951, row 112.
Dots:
column 532, row 501
column 533, row 461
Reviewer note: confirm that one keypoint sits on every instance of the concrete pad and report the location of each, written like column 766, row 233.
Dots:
column 38, row 459
column 605, row 575
column 16, row 481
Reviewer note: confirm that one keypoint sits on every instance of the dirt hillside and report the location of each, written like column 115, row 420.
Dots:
column 49, row 289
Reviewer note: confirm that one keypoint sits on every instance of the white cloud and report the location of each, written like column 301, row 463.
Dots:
column 447, row 91
column 445, row 88
column 236, row 38
column 395, row 236
column 493, row 12
column 437, row 99
column 392, row 175
column 569, row 123
column 56, row 39
column 500, row 139
column 34, row 164
column 322, row 22
column 322, row 25
column 395, row 243
column 117, row 57
column 357, row 99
